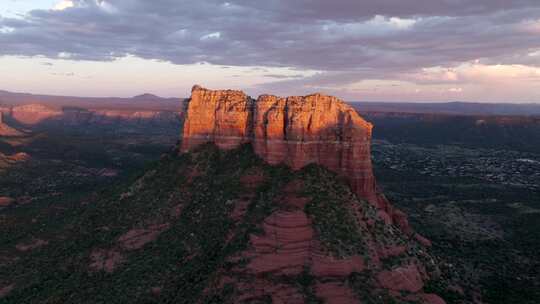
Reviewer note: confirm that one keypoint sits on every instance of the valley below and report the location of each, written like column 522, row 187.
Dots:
column 479, row 207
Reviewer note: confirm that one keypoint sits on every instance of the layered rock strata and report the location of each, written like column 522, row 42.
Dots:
column 286, row 260
column 295, row 131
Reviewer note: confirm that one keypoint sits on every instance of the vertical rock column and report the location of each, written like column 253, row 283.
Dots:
column 221, row 117
column 296, row 131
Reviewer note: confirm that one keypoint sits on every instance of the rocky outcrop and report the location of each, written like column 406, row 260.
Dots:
column 318, row 129
column 404, row 278
column 296, row 131
column 221, row 117
column 286, row 257
column 7, row 161
column 6, row 130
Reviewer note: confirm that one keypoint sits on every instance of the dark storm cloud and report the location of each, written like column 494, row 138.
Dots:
column 351, row 39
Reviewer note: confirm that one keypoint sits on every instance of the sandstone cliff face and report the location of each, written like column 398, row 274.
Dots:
column 318, row 129
column 221, row 117
column 296, row 131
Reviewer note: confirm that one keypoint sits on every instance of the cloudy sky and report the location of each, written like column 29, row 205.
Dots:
column 386, row 50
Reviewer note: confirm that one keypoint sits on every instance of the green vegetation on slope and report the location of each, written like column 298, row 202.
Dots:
column 164, row 235
column 189, row 193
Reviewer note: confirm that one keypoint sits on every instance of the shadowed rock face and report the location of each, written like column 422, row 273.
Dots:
column 296, row 131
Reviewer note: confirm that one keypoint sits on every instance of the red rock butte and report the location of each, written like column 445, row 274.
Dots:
column 296, row 131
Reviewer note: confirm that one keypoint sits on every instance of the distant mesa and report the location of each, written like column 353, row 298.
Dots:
column 296, row 131
column 138, row 113
column 147, row 96
column 31, row 114
column 144, row 101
